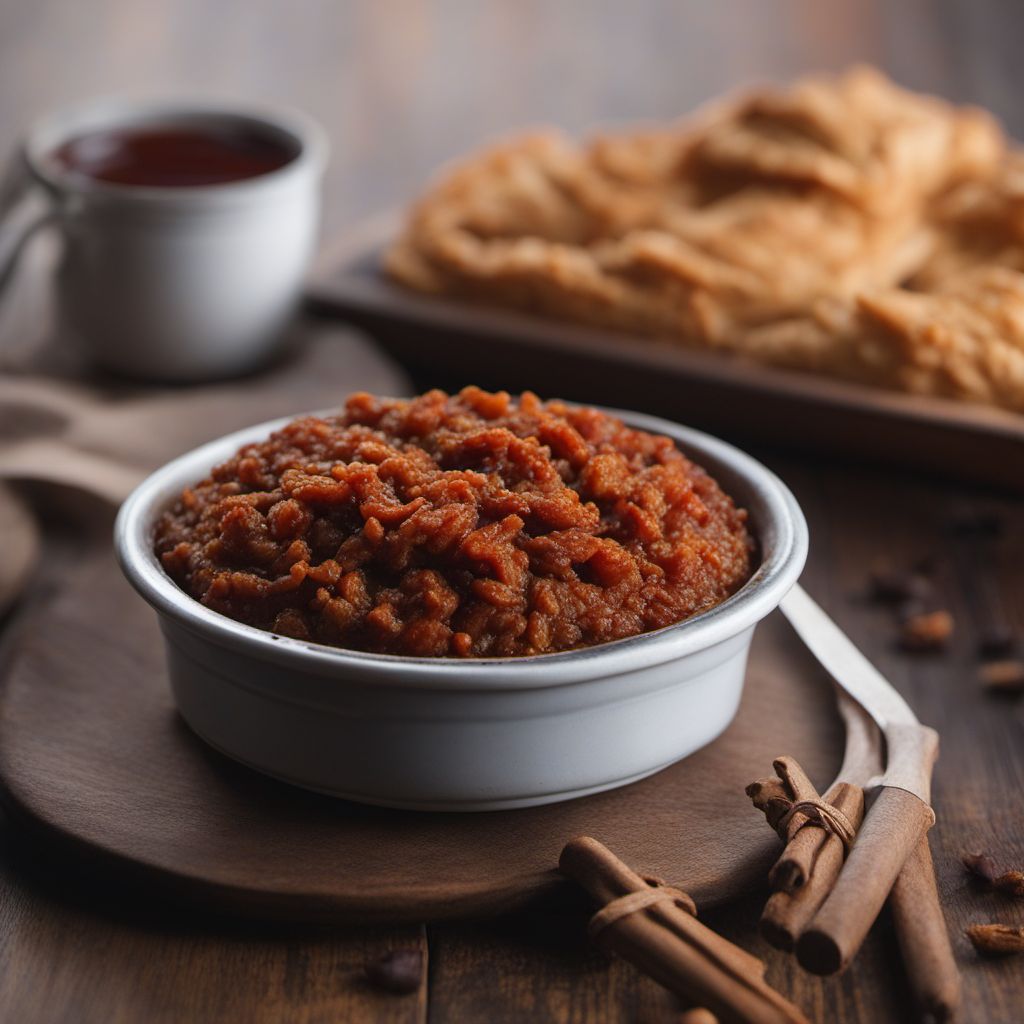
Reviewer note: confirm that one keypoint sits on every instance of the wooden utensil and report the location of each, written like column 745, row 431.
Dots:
column 890, row 854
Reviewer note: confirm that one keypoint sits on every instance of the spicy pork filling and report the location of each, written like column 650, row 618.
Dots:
column 472, row 525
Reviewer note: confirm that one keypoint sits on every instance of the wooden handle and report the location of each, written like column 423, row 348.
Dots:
column 51, row 460
column 923, row 938
column 892, row 829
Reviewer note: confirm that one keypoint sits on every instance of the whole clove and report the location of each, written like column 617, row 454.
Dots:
column 926, row 632
column 983, row 867
column 1011, row 883
column 996, row 939
column 1003, row 676
column 399, row 971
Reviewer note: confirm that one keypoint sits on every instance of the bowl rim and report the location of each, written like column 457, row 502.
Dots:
column 779, row 569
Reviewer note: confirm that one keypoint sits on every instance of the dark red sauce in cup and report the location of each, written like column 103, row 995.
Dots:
column 174, row 156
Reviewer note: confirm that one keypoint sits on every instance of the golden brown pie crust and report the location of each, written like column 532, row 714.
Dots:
column 843, row 226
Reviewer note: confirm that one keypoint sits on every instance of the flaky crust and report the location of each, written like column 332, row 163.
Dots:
column 843, row 226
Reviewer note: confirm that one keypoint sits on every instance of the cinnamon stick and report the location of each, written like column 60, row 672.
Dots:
column 804, row 874
column 914, row 900
column 800, row 863
column 819, row 855
column 888, row 836
column 698, row 1015
column 669, row 944
column 923, row 939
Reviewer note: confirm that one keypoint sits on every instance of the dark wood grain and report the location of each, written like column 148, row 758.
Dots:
column 401, row 86
column 93, row 757
column 542, row 968
column 68, row 961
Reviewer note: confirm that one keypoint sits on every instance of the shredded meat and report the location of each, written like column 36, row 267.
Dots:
column 473, row 525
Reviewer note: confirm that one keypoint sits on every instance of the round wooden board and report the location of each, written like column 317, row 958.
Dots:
column 94, row 759
column 19, row 546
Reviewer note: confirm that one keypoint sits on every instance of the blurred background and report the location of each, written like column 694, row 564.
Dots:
column 403, row 85
column 440, row 75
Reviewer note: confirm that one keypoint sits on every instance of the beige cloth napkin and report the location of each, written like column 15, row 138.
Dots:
column 80, row 435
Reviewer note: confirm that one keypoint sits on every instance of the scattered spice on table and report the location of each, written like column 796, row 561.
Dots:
column 399, row 971
column 928, row 631
column 1012, row 883
column 996, row 939
column 1006, row 676
column 981, row 866
column 923, row 625
column 984, row 868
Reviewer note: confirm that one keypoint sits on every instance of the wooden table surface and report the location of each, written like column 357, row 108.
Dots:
column 400, row 87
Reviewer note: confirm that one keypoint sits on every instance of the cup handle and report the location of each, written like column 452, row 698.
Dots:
column 20, row 217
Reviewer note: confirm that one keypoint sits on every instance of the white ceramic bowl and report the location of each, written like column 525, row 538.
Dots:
column 176, row 283
column 459, row 734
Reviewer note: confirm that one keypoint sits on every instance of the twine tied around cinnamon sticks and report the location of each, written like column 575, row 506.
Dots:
column 818, row 831
column 827, row 816
column 655, row 928
column 658, row 892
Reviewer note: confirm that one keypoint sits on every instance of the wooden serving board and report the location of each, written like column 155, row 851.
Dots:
column 458, row 343
column 96, row 764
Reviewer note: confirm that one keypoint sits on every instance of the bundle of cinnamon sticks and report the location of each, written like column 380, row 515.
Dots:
column 814, row 850
column 805, row 873
column 656, row 929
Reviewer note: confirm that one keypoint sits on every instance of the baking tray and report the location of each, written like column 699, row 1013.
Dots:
column 454, row 342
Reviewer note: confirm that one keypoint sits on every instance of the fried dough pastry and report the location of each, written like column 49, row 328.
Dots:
column 843, row 226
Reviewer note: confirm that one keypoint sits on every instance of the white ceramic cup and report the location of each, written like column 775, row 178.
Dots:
column 169, row 283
